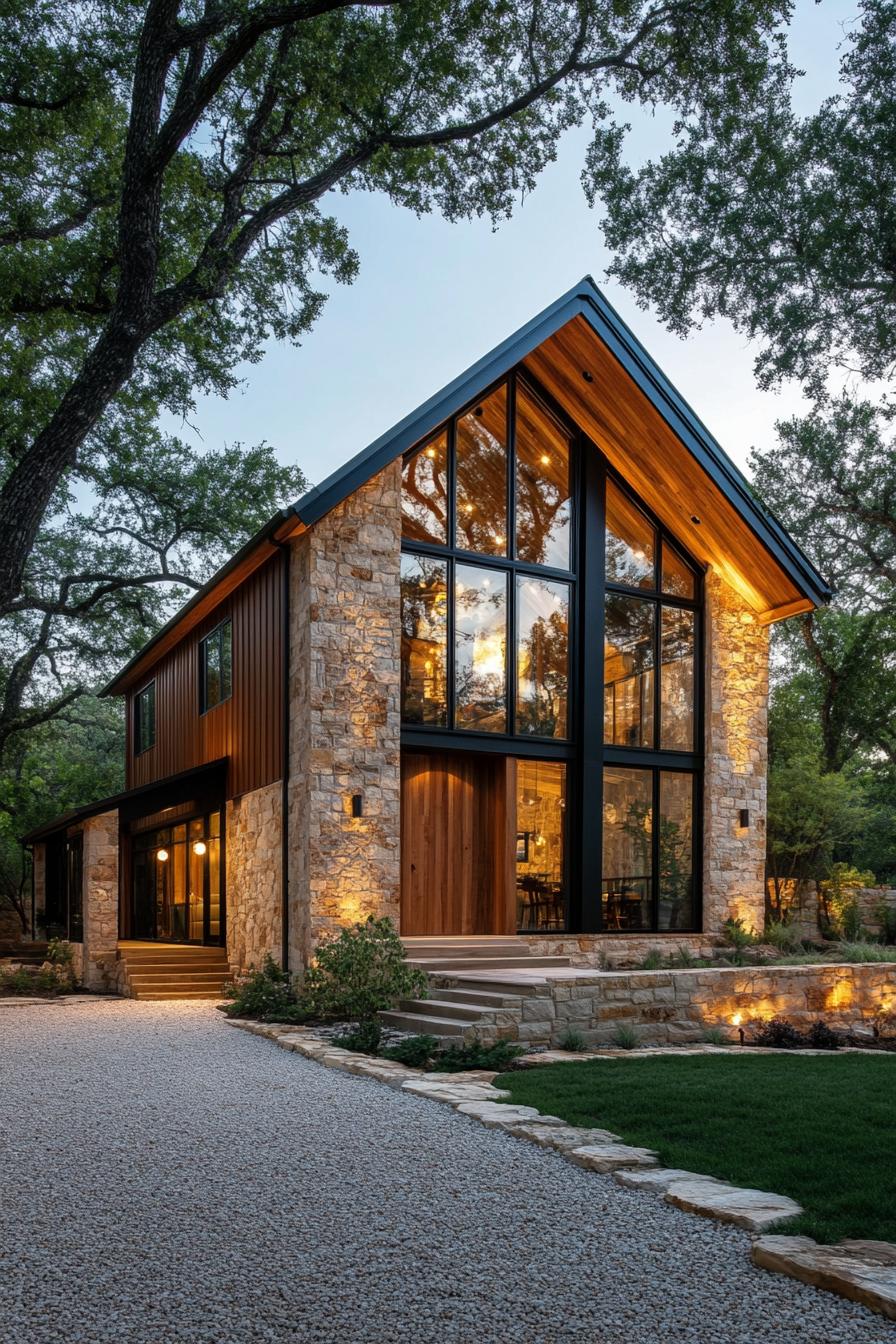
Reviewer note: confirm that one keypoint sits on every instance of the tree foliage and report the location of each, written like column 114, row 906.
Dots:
column 166, row 163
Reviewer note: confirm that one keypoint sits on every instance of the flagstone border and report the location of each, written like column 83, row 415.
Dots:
column 863, row 1271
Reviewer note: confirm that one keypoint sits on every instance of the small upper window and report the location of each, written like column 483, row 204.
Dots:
column 216, row 667
column 145, row 718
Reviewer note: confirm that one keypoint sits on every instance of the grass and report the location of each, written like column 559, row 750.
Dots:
column 819, row 1130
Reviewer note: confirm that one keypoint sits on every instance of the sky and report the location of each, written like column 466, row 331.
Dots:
column 432, row 297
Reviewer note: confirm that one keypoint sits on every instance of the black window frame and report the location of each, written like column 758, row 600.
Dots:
column 510, row 567
column 139, row 717
column 583, row 749
column 64, row 887
column 216, row 633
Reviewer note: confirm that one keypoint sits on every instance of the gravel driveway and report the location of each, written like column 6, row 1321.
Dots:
column 165, row 1177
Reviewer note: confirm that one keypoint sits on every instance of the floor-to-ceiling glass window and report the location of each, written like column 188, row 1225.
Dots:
column 177, row 881
column 494, row 619
column 650, row 717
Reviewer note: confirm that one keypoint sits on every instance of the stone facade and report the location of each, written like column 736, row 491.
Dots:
column 253, row 885
column 736, row 760
column 98, row 967
column 664, row 1007
column 345, row 715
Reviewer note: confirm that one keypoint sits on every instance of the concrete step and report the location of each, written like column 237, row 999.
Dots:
column 469, row 1012
column 435, row 964
column 493, row 985
column 464, row 949
column 482, row 998
column 422, row 1025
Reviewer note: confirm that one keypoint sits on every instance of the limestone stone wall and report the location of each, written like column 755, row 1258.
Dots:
column 668, row 1006
column 253, row 886
column 99, row 952
column 345, row 736
column 736, row 699
column 39, row 877
column 613, row 951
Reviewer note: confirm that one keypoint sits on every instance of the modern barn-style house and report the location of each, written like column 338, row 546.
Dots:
column 504, row 674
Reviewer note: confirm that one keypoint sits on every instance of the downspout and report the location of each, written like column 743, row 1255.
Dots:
column 285, row 550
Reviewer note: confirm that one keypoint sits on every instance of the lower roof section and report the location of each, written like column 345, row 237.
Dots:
column 204, row 780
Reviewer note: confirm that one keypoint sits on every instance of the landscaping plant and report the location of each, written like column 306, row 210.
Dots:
column 359, row 973
column 779, row 1034
column 572, row 1040
column 460, row 1058
column 266, row 995
column 625, row 1037
column 415, row 1051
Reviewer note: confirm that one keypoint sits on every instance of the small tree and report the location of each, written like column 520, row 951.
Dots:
column 360, row 972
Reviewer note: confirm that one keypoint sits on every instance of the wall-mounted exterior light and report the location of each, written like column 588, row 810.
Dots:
column 357, row 805
column 745, row 817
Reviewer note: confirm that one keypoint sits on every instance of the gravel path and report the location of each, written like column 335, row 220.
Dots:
column 167, row 1178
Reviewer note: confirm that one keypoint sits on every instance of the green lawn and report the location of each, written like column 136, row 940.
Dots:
column 822, row 1130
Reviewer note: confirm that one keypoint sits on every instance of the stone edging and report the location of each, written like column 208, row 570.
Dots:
column 863, row 1271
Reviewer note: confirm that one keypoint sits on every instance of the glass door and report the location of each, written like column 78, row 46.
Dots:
column 177, row 889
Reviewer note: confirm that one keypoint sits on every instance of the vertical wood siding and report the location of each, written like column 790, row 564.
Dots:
column 247, row 728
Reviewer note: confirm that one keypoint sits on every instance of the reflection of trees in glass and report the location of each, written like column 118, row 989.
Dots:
column 423, row 640
column 638, row 831
column 482, row 477
column 480, row 645
column 675, row 872
column 543, row 676
column 424, row 495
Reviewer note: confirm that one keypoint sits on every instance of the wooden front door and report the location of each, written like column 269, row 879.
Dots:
column 457, row 844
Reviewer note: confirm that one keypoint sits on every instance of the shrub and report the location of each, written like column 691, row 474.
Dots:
column 416, row 1051
column 779, row 1034
column 782, row 936
column 572, row 1040
column 24, row 982
column 715, row 1036
column 360, row 972
column 862, row 951
column 652, row 961
column 266, row 995
column 737, row 935
column 460, row 1058
column 59, row 952
column 365, row 1037
column 885, row 914
column 821, row 1037
column 683, row 957
column 625, row 1037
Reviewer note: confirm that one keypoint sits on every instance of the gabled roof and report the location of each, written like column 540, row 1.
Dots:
column 580, row 327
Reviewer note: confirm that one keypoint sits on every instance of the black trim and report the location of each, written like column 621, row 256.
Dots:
column 583, row 300
column 139, row 749
column 204, row 706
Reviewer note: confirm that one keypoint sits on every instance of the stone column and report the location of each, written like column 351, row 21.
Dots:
column 345, row 731
column 736, row 701
column 253, row 887
column 99, row 968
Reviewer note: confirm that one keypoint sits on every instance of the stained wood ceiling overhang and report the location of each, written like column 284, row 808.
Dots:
column 661, row 458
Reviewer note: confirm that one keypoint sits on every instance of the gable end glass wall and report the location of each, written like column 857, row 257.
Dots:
column 531, row 578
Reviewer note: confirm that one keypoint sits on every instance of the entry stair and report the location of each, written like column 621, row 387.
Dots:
column 173, row 970
column 458, row 1003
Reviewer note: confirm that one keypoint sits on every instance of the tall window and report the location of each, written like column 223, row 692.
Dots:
column 216, row 667
column 64, row 898
column 650, row 707
column 495, row 614
column 145, row 719
column 487, row 509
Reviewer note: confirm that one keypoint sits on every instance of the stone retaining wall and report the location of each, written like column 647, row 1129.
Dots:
column 98, row 954
column 673, row 1006
column 610, row 952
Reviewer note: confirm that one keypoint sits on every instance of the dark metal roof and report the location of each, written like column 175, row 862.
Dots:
column 583, row 300
column 117, row 800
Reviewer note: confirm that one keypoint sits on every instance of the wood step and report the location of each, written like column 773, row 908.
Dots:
column 159, row 995
column 188, row 980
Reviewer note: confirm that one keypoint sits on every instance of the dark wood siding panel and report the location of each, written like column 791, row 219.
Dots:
column 246, row 728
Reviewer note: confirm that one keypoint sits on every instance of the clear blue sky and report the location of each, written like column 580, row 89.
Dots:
column 432, row 297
